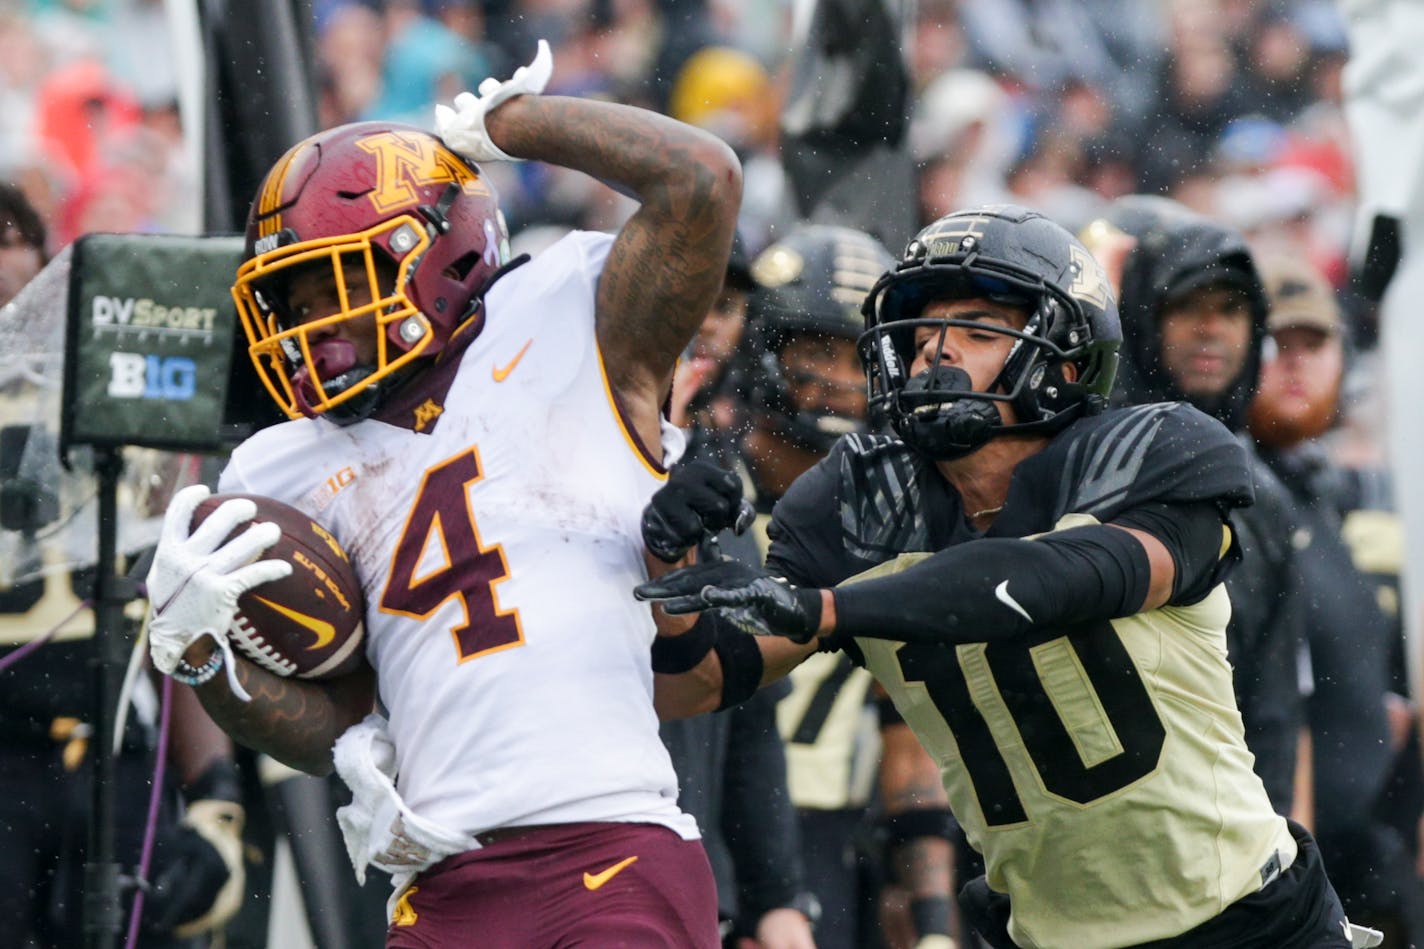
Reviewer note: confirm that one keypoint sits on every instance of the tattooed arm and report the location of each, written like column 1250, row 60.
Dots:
column 295, row 721
column 666, row 267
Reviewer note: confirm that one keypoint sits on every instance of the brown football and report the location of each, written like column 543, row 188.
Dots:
column 309, row 624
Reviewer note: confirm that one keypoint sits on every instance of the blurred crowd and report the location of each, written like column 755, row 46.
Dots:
column 1231, row 107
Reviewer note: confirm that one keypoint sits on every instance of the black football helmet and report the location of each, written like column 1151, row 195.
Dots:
column 1006, row 254
column 810, row 283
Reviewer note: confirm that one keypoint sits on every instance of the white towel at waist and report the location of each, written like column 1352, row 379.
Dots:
column 377, row 826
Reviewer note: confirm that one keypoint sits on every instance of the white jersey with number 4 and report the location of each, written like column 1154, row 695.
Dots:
column 496, row 535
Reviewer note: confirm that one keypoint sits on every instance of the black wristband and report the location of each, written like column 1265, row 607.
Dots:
column 676, row 654
column 930, row 915
column 919, row 822
column 742, row 667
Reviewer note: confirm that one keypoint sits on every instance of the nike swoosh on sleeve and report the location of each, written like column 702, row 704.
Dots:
column 1001, row 593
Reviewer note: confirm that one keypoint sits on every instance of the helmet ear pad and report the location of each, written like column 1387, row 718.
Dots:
column 1050, row 388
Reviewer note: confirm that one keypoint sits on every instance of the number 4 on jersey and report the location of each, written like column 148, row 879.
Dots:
column 440, row 555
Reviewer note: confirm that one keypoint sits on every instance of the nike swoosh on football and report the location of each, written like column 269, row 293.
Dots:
column 594, row 880
column 1001, row 593
column 325, row 632
column 501, row 373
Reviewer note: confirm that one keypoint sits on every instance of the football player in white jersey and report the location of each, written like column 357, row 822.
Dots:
column 481, row 435
column 1036, row 583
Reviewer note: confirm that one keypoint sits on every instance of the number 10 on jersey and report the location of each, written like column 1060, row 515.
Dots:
column 1103, row 671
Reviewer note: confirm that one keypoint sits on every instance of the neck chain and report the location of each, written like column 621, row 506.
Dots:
column 986, row 512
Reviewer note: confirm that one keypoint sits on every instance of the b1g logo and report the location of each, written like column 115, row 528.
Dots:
column 138, row 376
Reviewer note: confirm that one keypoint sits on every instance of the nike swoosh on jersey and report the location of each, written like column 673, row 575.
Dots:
column 595, row 880
column 405, row 914
column 501, row 373
column 1001, row 593
column 325, row 632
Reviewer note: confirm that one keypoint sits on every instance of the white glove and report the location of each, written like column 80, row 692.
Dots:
column 463, row 127
column 1362, row 937
column 196, row 579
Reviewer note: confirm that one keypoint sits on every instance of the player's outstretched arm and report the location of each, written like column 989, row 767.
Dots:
column 993, row 588
column 709, row 662
column 714, row 660
column 295, row 721
column 667, row 265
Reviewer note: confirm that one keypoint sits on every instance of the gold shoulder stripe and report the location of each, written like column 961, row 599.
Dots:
column 652, row 464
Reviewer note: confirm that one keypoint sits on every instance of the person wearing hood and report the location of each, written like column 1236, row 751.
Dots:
column 1193, row 312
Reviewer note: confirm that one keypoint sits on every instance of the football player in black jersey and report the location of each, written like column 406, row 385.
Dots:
column 731, row 769
column 801, row 378
column 1036, row 582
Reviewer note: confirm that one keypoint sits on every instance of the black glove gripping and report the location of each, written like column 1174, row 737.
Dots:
column 699, row 498
column 753, row 598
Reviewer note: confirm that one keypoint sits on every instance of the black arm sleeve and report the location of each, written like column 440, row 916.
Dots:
column 997, row 588
column 1203, row 548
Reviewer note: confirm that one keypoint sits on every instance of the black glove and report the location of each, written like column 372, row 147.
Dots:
column 198, row 879
column 753, row 597
column 698, row 499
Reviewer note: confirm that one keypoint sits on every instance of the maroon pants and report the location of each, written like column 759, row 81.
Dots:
column 595, row 885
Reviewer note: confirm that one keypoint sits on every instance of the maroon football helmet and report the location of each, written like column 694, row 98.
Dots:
column 387, row 201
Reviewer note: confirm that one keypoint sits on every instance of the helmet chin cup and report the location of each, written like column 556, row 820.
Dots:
column 944, row 421
column 332, row 371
